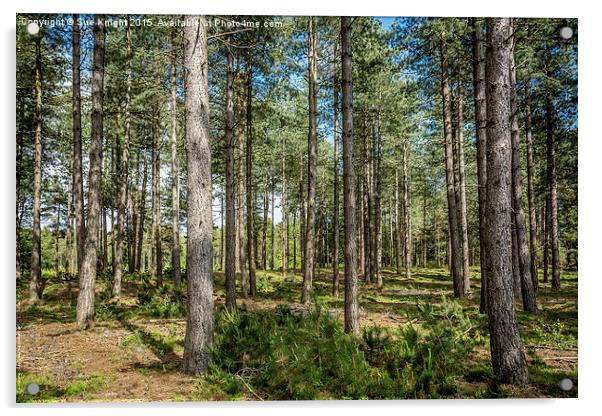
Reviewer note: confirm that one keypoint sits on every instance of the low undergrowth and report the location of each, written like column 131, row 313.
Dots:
column 286, row 356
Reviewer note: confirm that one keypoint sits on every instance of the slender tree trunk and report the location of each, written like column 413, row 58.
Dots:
column 366, row 211
column 249, row 177
column 123, row 173
column 158, row 265
column 516, row 278
column 199, row 253
column 294, row 242
column 456, row 259
column 311, row 165
column 407, row 225
column 175, row 171
column 480, row 103
column 531, row 186
column 272, row 236
column 230, row 191
column 302, row 216
column 524, row 259
column 264, row 229
column 546, row 240
column 553, row 192
column 398, row 250
column 378, row 244
column 352, row 324
column 87, row 280
column 36, row 241
column 284, row 210
column 240, row 220
column 221, row 231
column 142, row 214
column 462, row 191
column 78, row 183
column 335, row 225
column 507, row 351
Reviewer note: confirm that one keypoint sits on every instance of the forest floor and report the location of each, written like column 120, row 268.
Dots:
column 131, row 355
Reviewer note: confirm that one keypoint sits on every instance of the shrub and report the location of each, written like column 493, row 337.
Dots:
column 286, row 356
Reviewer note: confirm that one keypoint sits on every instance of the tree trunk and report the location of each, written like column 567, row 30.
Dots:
column 123, row 173
column 87, row 280
column 546, row 240
column 221, row 231
column 158, row 264
column 36, row 241
column 480, row 104
column 240, row 177
column 199, row 253
column 553, row 191
column 463, row 223
column 264, row 229
column 230, row 191
column 312, row 141
column 175, row 171
column 366, row 211
column 531, row 186
column 272, row 236
column 407, row 234
column 507, row 351
column 378, row 244
column 398, row 250
column 78, row 183
column 335, row 225
column 284, row 210
column 352, row 323
column 524, row 259
column 459, row 282
column 249, row 177
column 142, row 214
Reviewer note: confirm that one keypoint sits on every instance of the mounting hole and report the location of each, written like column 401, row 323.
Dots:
column 32, row 389
column 566, row 33
column 566, row 384
column 33, row 28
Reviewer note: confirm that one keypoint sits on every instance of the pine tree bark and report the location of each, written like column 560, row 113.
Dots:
column 553, row 192
column 158, row 264
column 264, row 228
column 378, row 243
column 546, row 240
column 240, row 177
column 249, row 177
column 352, row 324
column 407, row 221
column 531, row 186
column 463, row 223
column 507, row 351
column 480, row 104
column 87, row 280
column 78, row 183
column 524, row 259
column 335, row 225
column 199, row 253
column 398, row 250
column 272, row 236
column 142, row 212
column 366, row 211
column 284, row 209
column 230, row 191
column 175, row 171
column 123, row 172
column 456, row 255
column 36, row 239
column 312, row 141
